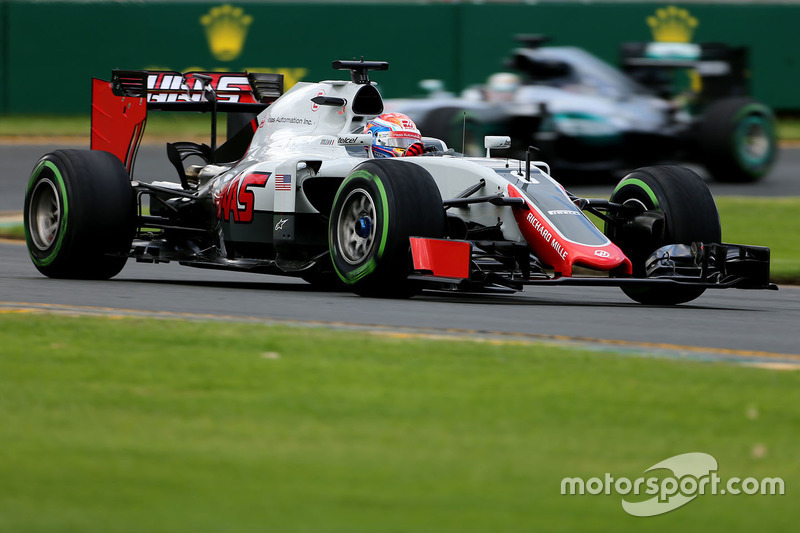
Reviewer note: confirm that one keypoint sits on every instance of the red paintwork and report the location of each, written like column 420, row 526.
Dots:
column 560, row 253
column 117, row 122
column 441, row 257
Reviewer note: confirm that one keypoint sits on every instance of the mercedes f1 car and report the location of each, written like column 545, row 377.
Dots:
column 298, row 192
column 670, row 102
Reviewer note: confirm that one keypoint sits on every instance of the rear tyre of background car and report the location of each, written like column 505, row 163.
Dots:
column 689, row 213
column 378, row 207
column 737, row 140
column 80, row 215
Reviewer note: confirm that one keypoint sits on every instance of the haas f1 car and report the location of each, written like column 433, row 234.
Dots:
column 299, row 192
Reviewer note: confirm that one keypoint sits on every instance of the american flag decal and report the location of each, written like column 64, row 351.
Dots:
column 283, row 182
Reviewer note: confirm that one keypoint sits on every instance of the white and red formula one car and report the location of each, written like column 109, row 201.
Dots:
column 298, row 192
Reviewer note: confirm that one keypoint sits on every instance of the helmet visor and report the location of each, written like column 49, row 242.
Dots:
column 398, row 139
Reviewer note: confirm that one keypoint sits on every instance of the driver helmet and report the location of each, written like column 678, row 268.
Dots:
column 392, row 134
column 501, row 86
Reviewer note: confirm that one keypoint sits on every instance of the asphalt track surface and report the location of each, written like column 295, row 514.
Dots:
column 742, row 326
column 757, row 327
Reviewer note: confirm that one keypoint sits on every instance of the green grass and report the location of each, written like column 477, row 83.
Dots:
column 789, row 128
column 44, row 125
column 12, row 231
column 159, row 125
column 192, row 124
column 232, row 428
column 765, row 222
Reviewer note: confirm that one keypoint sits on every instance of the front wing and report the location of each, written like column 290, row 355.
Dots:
column 468, row 266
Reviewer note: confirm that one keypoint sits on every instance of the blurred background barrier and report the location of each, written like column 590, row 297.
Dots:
column 50, row 50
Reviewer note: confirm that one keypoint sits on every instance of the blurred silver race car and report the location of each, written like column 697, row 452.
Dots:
column 671, row 102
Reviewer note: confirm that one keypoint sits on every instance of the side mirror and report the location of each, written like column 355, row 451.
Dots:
column 356, row 139
column 496, row 142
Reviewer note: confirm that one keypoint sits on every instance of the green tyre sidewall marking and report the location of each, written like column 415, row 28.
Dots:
column 751, row 164
column 635, row 182
column 353, row 277
column 756, row 109
column 65, row 212
column 642, row 185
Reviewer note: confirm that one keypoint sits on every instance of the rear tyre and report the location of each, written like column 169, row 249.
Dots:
column 738, row 140
column 378, row 207
column 79, row 215
column 690, row 215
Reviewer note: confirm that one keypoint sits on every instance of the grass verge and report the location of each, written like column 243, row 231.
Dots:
column 173, row 126
column 235, row 427
column 12, row 231
column 191, row 125
column 768, row 222
column 789, row 128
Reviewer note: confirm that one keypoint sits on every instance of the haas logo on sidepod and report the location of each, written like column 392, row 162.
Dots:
column 236, row 200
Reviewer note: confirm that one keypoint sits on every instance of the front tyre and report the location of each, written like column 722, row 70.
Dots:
column 79, row 215
column 689, row 214
column 738, row 140
column 378, row 207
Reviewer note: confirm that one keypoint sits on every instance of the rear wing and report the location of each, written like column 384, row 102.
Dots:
column 120, row 106
column 170, row 90
column 716, row 70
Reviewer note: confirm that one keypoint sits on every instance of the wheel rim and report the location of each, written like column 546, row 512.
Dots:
column 635, row 201
column 356, row 227
column 44, row 215
column 755, row 145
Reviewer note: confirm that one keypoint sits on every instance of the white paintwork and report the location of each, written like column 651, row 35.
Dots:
column 296, row 135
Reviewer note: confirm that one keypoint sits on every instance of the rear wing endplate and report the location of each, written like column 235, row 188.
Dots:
column 718, row 70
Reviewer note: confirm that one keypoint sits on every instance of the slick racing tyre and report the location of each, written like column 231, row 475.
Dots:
column 378, row 207
column 689, row 214
column 737, row 140
column 79, row 215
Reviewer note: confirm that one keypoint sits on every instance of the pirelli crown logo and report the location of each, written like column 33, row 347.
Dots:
column 672, row 25
column 226, row 29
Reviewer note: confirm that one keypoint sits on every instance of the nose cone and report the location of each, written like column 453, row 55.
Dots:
column 558, row 250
